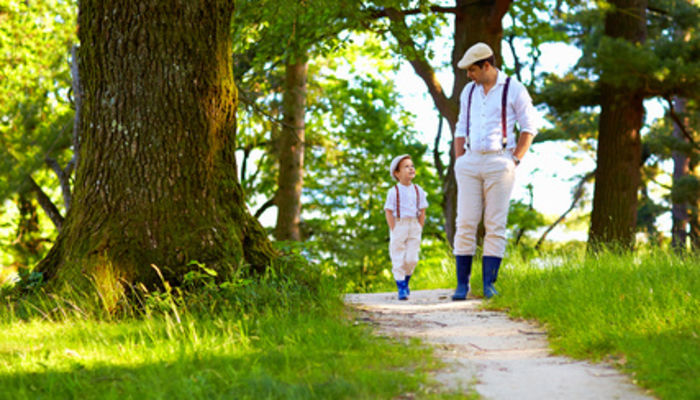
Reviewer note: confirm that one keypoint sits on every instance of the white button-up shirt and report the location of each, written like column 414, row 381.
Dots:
column 485, row 132
column 409, row 205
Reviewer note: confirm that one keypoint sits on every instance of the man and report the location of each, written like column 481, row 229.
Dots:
column 487, row 155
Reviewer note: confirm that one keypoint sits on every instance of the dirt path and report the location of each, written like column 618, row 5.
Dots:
column 499, row 357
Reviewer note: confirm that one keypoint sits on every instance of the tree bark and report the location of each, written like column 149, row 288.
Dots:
column 474, row 22
column 28, row 243
column 681, row 169
column 156, row 184
column 619, row 154
column 694, row 214
column 291, row 153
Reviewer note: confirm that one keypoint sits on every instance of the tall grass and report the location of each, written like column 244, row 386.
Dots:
column 282, row 336
column 641, row 311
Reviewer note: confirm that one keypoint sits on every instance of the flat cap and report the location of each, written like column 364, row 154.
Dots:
column 479, row 51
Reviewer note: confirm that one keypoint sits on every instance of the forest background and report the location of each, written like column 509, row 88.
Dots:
column 141, row 144
column 321, row 112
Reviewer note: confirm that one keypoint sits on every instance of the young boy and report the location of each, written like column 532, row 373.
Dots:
column 405, row 213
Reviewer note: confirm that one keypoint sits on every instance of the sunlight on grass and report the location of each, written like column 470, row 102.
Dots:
column 283, row 337
column 640, row 311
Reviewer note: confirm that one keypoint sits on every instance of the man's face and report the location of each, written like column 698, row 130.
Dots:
column 476, row 73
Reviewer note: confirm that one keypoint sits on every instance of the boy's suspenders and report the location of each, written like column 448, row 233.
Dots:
column 398, row 201
column 504, row 102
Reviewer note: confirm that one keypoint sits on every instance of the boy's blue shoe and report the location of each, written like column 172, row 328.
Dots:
column 403, row 289
column 464, row 269
column 408, row 289
column 490, row 274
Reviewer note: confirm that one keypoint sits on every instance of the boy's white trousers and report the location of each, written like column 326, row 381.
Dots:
column 404, row 246
column 484, row 185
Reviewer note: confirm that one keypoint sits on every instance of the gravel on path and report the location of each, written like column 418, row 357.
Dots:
column 498, row 357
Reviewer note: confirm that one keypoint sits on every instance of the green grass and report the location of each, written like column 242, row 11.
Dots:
column 641, row 311
column 283, row 337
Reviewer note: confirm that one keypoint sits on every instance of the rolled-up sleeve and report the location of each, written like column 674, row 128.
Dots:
column 390, row 203
column 461, row 128
column 525, row 112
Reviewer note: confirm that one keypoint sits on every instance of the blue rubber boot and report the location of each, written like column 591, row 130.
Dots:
column 408, row 289
column 490, row 274
column 464, row 269
column 403, row 289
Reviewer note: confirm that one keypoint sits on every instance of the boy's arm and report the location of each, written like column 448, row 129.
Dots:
column 390, row 219
column 421, row 217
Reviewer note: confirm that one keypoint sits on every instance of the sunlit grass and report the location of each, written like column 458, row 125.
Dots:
column 285, row 336
column 641, row 311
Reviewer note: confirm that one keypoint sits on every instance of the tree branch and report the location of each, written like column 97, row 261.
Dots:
column 578, row 193
column 46, row 203
column 269, row 203
column 421, row 66
column 381, row 13
column 439, row 166
column 516, row 61
column 63, row 178
column 681, row 126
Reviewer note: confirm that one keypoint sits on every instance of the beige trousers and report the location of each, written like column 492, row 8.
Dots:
column 404, row 246
column 484, row 185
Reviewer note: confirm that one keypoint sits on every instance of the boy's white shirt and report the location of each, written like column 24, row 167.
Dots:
column 408, row 200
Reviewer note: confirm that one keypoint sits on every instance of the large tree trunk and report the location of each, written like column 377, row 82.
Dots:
column 474, row 22
column 291, row 153
column 681, row 168
column 156, row 184
column 617, row 178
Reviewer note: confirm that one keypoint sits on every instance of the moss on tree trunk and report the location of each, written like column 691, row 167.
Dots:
column 156, row 183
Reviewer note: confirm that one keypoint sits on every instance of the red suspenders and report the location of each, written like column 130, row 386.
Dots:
column 398, row 201
column 504, row 102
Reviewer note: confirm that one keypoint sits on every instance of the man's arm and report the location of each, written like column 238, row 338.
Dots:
column 459, row 146
column 523, row 144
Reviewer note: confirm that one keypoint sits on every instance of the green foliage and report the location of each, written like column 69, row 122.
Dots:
column 523, row 217
column 35, row 113
column 531, row 23
column 284, row 335
column 413, row 40
column 291, row 31
column 639, row 310
column 686, row 189
column 349, row 180
column 354, row 127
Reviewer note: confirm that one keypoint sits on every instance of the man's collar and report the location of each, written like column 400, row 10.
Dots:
column 501, row 79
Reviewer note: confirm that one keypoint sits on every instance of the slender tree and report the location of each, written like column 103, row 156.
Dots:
column 156, row 185
column 681, row 169
column 306, row 28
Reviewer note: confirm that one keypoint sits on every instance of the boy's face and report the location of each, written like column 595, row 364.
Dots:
column 405, row 171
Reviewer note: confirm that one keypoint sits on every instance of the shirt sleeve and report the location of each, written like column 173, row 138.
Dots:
column 525, row 112
column 423, row 199
column 461, row 128
column 390, row 203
